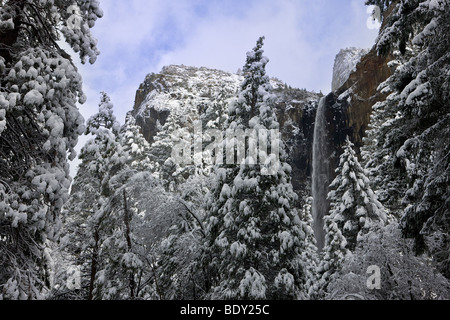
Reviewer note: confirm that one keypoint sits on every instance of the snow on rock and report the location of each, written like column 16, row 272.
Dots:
column 180, row 89
column 344, row 64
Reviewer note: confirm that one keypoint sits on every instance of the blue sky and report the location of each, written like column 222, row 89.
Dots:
column 137, row 37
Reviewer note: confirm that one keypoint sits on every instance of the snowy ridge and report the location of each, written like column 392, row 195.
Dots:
column 168, row 104
column 180, row 88
column 192, row 93
column 344, row 64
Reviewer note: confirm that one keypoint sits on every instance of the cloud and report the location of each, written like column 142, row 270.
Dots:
column 137, row 37
column 302, row 39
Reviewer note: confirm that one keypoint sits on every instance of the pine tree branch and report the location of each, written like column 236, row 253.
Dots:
column 195, row 216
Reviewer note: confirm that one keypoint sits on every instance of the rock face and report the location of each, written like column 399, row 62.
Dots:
column 353, row 101
column 345, row 64
column 180, row 90
column 348, row 109
column 180, row 95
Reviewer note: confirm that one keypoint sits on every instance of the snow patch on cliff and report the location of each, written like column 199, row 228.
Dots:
column 344, row 64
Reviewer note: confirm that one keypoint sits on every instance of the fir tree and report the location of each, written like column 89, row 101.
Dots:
column 354, row 206
column 167, row 168
column 255, row 237
column 89, row 223
column 413, row 142
column 135, row 145
column 39, row 127
column 124, row 251
column 333, row 255
column 310, row 253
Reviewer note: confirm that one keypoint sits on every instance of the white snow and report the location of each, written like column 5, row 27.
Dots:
column 2, row 118
column 238, row 250
column 33, row 98
column 253, row 284
column 344, row 64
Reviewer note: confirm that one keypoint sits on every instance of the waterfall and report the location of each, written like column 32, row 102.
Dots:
column 320, row 173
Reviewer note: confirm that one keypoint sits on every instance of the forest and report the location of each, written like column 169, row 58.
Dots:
column 139, row 222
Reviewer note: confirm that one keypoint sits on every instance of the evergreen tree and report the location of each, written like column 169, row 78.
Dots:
column 135, row 145
column 123, row 250
column 137, row 241
column 333, row 255
column 39, row 128
column 310, row 253
column 89, row 223
column 414, row 140
column 354, row 206
column 255, row 237
column 167, row 168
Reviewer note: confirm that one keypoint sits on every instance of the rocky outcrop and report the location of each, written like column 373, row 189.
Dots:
column 183, row 91
column 359, row 93
column 351, row 104
column 349, row 107
column 180, row 95
column 296, row 112
column 344, row 64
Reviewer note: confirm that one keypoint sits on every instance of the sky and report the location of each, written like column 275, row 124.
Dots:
column 138, row 37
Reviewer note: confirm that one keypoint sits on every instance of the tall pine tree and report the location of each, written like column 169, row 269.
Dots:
column 255, row 237
column 88, row 223
column 39, row 127
column 332, row 257
column 354, row 206
column 414, row 140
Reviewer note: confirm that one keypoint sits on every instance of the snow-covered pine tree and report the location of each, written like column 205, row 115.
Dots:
column 89, row 224
column 415, row 136
column 354, row 206
column 255, row 237
column 310, row 254
column 123, row 251
column 332, row 257
column 150, row 237
column 39, row 127
column 168, row 169
column 135, row 145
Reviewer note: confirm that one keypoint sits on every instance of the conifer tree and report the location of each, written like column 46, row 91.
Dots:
column 333, row 255
column 39, row 127
column 135, row 145
column 88, row 223
column 255, row 237
column 123, row 250
column 413, row 142
column 310, row 254
column 354, row 206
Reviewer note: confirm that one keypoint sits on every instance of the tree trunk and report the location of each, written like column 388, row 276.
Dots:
column 126, row 218
column 94, row 264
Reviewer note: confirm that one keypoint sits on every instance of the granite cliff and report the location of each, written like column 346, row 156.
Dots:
column 180, row 95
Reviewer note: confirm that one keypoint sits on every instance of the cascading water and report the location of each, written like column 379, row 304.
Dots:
column 320, row 173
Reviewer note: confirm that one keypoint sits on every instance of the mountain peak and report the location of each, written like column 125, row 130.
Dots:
column 344, row 64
